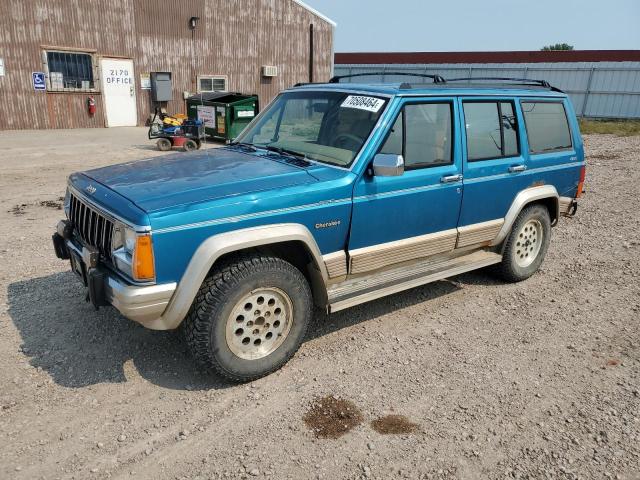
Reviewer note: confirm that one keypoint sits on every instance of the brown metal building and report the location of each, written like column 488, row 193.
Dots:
column 106, row 50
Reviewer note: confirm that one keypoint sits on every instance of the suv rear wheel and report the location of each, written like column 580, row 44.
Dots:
column 526, row 245
column 249, row 317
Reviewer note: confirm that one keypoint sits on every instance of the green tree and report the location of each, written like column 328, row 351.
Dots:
column 557, row 46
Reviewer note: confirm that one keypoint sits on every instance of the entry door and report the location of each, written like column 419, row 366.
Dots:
column 119, row 91
column 414, row 215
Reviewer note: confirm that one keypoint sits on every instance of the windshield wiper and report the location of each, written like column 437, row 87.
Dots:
column 286, row 151
column 248, row 146
column 290, row 156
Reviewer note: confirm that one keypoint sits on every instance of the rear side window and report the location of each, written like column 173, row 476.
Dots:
column 547, row 126
column 422, row 133
column 492, row 130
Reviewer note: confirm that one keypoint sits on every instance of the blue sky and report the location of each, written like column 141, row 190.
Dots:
column 475, row 25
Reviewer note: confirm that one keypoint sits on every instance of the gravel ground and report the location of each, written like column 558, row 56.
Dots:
column 532, row 380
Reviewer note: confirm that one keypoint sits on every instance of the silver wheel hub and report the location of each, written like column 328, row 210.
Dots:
column 528, row 243
column 259, row 323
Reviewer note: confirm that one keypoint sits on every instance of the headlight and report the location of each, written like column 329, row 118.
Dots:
column 132, row 253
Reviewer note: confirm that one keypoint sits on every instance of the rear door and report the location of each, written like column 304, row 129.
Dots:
column 397, row 219
column 554, row 151
column 494, row 166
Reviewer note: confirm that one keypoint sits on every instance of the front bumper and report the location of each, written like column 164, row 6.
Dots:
column 143, row 304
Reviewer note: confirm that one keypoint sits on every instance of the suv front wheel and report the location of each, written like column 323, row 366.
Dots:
column 249, row 317
column 527, row 244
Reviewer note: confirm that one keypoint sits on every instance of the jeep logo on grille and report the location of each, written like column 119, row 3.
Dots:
column 91, row 189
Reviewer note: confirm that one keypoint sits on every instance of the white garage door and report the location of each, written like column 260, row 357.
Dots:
column 119, row 90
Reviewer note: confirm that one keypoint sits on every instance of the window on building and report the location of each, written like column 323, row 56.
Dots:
column 426, row 131
column 208, row 84
column 492, row 130
column 547, row 126
column 70, row 71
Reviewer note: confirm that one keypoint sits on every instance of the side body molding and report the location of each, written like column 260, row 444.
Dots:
column 216, row 246
column 523, row 198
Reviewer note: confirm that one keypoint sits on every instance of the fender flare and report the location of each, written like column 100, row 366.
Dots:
column 523, row 198
column 216, row 246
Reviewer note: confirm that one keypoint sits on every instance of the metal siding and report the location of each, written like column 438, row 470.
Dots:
column 233, row 38
column 614, row 90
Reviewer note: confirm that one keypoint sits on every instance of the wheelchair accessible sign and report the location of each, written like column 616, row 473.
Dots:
column 39, row 82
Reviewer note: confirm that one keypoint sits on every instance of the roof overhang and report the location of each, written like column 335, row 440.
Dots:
column 316, row 13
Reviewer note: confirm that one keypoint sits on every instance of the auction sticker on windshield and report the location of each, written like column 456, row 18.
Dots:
column 370, row 104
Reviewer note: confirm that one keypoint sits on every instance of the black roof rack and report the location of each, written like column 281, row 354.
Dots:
column 523, row 81
column 435, row 78
column 441, row 81
column 531, row 81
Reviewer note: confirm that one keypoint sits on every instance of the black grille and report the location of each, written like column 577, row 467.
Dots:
column 91, row 226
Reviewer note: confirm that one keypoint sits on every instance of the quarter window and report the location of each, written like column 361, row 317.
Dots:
column 422, row 134
column 547, row 126
column 70, row 71
column 492, row 130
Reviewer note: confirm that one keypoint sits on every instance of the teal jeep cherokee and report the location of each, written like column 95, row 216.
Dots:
column 336, row 194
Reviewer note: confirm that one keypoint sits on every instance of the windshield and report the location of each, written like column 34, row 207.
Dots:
column 329, row 127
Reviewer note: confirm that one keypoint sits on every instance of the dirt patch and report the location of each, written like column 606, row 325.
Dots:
column 331, row 417
column 394, row 425
column 57, row 205
column 18, row 210
column 604, row 156
column 613, row 362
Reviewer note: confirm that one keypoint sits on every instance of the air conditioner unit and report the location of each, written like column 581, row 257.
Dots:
column 269, row 71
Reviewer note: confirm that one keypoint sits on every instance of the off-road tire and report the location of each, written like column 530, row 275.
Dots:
column 206, row 323
column 509, row 269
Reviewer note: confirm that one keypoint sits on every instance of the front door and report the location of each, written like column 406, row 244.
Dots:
column 119, row 91
column 415, row 215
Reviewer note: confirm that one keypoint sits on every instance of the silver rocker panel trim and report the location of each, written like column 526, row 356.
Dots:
column 382, row 255
column 387, row 282
column 478, row 233
column 336, row 264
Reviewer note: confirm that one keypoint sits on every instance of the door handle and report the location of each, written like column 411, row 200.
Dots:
column 517, row 168
column 451, row 178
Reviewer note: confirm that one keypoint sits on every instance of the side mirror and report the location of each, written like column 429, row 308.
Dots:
column 388, row 165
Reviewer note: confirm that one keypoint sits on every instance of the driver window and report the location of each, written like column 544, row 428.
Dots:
column 422, row 134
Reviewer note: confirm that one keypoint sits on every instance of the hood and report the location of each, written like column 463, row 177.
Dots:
column 185, row 178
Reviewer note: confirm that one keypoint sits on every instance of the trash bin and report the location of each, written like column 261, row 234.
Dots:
column 224, row 114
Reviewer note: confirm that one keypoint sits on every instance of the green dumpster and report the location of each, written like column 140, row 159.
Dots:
column 224, row 114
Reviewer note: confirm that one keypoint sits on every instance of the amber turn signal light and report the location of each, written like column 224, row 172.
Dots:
column 143, row 264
